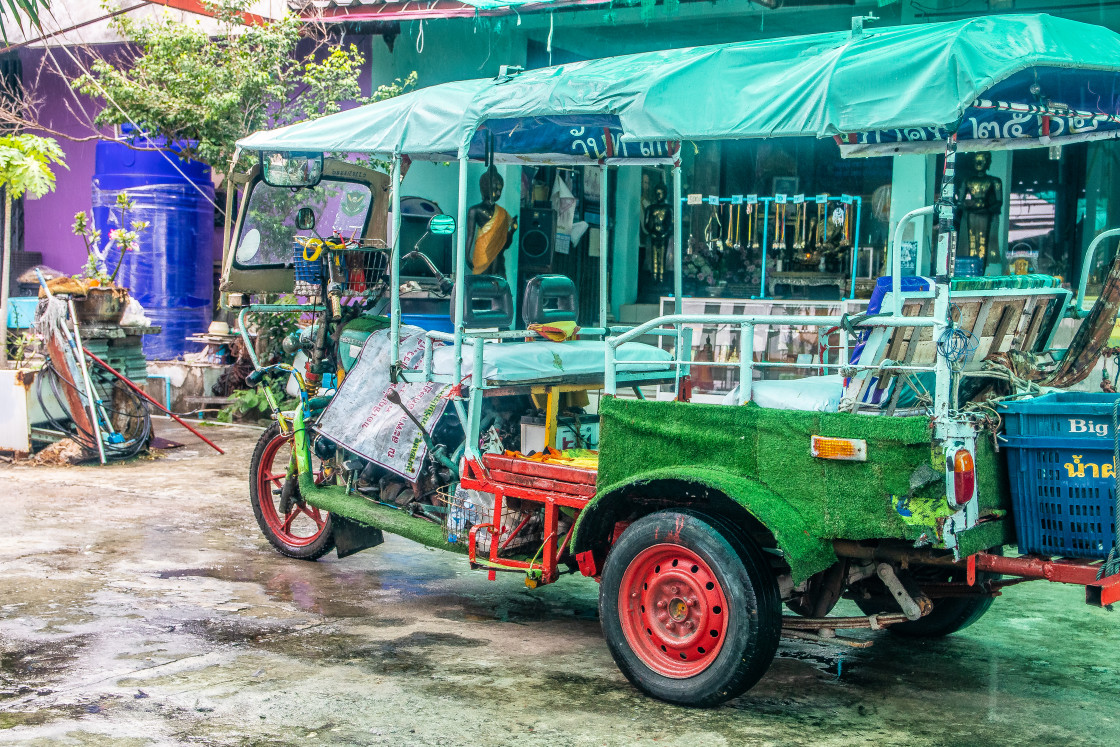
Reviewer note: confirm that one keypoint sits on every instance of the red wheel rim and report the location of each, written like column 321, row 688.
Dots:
column 303, row 524
column 673, row 610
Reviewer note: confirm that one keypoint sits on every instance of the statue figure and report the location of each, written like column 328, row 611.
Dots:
column 658, row 223
column 490, row 229
column 979, row 197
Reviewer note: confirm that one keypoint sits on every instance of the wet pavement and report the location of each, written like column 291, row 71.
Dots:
column 139, row 604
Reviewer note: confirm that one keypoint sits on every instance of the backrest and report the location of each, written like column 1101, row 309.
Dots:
column 999, row 318
column 489, row 302
column 549, row 299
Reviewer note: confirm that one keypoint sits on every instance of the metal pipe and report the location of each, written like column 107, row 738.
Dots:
column 395, row 263
column 678, row 238
column 776, row 320
column 857, row 205
column 765, row 205
column 268, row 308
column 78, row 353
column 896, row 256
column 603, row 244
column 127, row 382
column 461, row 269
column 166, row 387
column 1087, row 263
column 851, row 549
column 746, row 362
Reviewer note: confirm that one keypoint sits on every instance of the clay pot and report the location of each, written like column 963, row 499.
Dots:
column 101, row 306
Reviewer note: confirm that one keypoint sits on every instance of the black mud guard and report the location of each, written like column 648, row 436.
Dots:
column 351, row 537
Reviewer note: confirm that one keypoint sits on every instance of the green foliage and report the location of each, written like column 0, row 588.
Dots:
column 272, row 329
column 21, row 346
column 25, row 164
column 20, row 10
column 252, row 404
column 184, row 85
column 126, row 240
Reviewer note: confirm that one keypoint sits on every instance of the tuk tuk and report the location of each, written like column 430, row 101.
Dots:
column 878, row 476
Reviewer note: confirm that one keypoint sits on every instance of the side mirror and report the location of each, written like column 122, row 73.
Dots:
column 442, row 225
column 305, row 219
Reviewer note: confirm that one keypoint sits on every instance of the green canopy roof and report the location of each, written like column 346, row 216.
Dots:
column 892, row 89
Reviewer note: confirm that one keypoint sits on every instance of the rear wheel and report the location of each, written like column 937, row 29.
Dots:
column 690, row 609
column 949, row 614
column 295, row 528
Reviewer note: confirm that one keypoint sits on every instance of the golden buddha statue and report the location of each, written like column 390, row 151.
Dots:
column 979, row 198
column 490, row 229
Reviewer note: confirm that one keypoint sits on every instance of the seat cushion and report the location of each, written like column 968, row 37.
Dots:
column 521, row 362
column 810, row 394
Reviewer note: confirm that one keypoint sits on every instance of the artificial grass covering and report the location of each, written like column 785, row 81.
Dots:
column 364, row 511
column 760, row 458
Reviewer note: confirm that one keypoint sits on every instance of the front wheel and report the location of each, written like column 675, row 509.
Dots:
column 689, row 608
column 297, row 529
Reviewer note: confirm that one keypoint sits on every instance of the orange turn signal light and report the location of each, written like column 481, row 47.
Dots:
column 840, row 449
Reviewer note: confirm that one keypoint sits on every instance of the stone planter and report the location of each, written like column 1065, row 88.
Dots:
column 101, row 306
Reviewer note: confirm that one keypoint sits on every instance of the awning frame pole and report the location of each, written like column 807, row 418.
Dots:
column 603, row 245
column 395, row 264
column 678, row 269
column 461, row 271
column 678, row 248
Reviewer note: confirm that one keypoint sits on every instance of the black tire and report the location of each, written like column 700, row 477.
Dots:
column 949, row 614
column 311, row 547
column 735, row 570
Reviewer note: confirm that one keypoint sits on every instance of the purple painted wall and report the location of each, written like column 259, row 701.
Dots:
column 47, row 221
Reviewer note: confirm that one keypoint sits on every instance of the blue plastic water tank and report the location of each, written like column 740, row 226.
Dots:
column 172, row 273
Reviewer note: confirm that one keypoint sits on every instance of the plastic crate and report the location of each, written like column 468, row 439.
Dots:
column 1061, row 414
column 1059, row 456
column 306, row 271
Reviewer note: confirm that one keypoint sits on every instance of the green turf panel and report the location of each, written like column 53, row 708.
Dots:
column 364, row 511
column 760, row 458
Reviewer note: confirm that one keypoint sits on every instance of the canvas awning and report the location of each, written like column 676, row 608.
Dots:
column 1013, row 79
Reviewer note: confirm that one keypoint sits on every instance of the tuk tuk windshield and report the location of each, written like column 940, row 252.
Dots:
column 268, row 231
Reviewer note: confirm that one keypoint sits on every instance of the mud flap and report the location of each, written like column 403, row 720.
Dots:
column 351, row 537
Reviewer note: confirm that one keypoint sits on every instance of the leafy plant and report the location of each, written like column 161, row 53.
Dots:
column 272, row 329
column 26, row 163
column 20, row 10
column 205, row 92
column 23, row 346
column 252, row 404
column 26, row 167
column 125, row 240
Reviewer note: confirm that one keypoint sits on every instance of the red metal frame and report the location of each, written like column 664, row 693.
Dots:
column 552, row 485
column 1098, row 592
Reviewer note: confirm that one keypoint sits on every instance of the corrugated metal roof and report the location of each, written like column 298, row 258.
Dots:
column 342, row 11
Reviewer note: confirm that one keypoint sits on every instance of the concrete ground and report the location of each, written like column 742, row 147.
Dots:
column 139, row 604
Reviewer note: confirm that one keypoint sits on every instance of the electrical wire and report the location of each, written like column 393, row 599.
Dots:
column 124, row 408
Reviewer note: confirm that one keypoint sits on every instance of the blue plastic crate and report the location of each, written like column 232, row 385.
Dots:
column 1059, row 457
column 1061, row 414
column 306, row 272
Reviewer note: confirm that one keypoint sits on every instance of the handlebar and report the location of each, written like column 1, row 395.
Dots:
column 257, row 376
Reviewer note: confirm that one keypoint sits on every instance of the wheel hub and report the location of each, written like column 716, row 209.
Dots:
column 673, row 610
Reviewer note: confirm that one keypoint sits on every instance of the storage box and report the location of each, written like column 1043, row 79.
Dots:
column 1060, row 461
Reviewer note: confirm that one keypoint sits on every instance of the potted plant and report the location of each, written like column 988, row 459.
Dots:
column 105, row 302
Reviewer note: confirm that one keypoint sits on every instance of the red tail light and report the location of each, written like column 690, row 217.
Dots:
column 964, row 477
